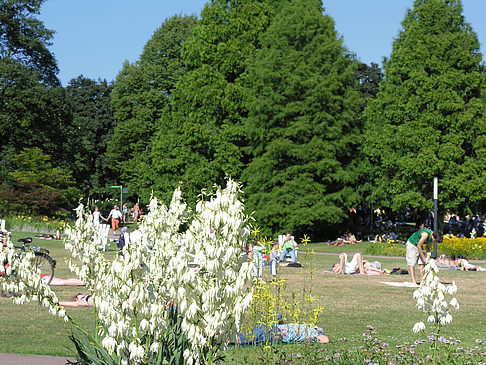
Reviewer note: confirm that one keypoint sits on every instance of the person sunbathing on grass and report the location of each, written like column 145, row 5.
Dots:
column 283, row 333
column 58, row 282
column 356, row 266
column 352, row 238
column 79, row 300
column 465, row 265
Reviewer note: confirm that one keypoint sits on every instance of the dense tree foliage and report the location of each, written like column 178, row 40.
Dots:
column 36, row 186
column 263, row 91
column 31, row 114
column 369, row 78
column 88, row 134
column 429, row 117
column 303, row 106
column 25, row 39
column 201, row 140
column 141, row 96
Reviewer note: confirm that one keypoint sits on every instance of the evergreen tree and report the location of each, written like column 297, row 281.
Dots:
column 429, row 117
column 201, row 140
column 303, row 104
column 369, row 78
column 140, row 97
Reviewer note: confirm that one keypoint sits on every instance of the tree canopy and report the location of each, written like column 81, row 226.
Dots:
column 200, row 141
column 303, row 107
column 429, row 117
column 24, row 38
column 141, row 96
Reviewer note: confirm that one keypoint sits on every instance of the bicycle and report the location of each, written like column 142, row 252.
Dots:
column 45, row 263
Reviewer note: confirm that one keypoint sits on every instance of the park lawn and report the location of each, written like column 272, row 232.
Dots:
column 351, row 302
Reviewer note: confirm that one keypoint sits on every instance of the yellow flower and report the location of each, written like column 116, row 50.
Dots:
column 305, row 240
column 255, row 231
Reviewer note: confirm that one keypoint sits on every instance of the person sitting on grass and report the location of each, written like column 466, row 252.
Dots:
column 356, row 266
column 288, row 248
column 352, row 238
column 79, row 300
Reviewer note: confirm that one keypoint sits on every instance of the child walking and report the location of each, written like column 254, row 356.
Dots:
column 274, row 256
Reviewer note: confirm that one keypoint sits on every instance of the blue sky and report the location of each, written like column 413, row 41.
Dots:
column 95, row 37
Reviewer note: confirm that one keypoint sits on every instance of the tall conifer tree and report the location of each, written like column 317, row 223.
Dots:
column 200, row 141
column 303, row 106
column 429, row 117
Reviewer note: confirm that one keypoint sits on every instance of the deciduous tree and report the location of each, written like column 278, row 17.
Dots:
column 140, row 97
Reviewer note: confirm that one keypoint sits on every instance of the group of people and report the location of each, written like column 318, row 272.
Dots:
column 278, row 253
column 470, row 226
column 459, row 263
column 347, row 239
column 117, row 216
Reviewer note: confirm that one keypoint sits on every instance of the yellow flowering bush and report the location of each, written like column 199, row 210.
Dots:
column 471, row 248
column 388, row 248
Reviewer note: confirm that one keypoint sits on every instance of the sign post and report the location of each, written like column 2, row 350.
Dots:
column 121, row 191
column 436, row 222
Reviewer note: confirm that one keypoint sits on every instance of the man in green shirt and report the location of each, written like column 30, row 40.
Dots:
column 415, row 249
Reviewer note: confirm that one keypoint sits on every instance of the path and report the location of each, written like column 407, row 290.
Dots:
column 15, row 359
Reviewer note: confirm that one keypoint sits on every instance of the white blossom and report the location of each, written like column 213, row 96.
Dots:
column 431, row 298
column 132, row 291
column 419, row 326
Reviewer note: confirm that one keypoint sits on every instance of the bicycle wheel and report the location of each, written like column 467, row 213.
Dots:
column 46, row 265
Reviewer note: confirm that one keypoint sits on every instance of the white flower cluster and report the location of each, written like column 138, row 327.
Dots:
column 20, row 276
column 431, row 298
column 132, row 292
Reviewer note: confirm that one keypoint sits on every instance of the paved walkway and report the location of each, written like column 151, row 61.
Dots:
column 15, row 359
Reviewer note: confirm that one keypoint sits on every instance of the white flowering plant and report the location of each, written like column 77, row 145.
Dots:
column 19, row 274
column 431, row 299
column 186, row 263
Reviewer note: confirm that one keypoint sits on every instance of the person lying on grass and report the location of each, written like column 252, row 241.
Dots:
column 79, row 300
column 464, row 264
column 283, row 333
column 58, row 282
column 356, row 266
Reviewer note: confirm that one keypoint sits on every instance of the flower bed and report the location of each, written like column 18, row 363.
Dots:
column 471, row 248
column 388, row 248
column 21, row 223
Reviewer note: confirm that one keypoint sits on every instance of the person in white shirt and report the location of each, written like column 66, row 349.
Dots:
column 96, row 216
column 115, row 216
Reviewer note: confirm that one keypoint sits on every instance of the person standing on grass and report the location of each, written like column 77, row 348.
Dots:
column 415, row 249
column 115, row 216
column 136, row 212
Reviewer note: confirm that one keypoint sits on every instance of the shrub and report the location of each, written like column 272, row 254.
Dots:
column 471, row 248
column 388, row 248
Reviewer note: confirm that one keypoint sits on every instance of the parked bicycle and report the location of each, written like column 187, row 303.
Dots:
column 45, row 263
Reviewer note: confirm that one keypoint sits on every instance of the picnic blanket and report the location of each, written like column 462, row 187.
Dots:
column 406, row 284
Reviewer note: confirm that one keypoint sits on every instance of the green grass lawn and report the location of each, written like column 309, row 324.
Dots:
column 351, row 302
